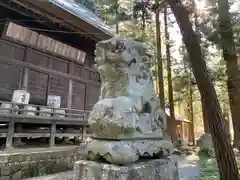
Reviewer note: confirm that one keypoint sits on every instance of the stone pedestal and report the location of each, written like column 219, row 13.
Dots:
column 159, row 169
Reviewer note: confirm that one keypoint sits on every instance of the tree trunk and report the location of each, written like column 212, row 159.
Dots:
column 205, row 120
column 143, row 24
column 117, row 17
column 233, row 73
column 224, row 154
column 169, row 70
column 191, row 117
column 159, row 60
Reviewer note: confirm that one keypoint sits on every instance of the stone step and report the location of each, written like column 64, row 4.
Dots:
column 59, row 176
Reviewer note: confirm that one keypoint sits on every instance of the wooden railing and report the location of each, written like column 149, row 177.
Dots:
column 15, row 117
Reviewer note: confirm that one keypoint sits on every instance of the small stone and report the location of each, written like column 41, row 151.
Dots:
column 206, row 145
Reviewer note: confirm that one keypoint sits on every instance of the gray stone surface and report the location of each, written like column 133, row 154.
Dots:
column 19, row 164
column 188, row 167
column 59, row 176
column 127, row 121
column 206, row 145
column 159, row 169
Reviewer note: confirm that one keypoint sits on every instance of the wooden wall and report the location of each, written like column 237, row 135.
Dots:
column 179, row 129
column 43, row 73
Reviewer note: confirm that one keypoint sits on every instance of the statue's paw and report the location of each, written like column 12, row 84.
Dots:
column 121, row 154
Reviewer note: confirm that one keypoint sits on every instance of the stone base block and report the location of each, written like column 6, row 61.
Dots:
column 125, row 152
column 159, row 169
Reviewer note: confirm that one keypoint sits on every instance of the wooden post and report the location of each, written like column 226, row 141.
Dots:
column 83, row 133
column 70, row 88
column 24, row 85
column 53, row 131
column 86, row 97
column 10, row 132
column 70, row 85
column 19, row 129
column 53, row 134
column 25, row 79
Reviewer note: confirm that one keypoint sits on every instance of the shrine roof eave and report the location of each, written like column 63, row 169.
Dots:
column 72, row 15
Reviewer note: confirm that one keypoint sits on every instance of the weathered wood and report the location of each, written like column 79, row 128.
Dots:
column 59, row 86
column 10, row 134
column 10, row 80
column 70, row 91
column 36, row 135
column 52, row 134
column 25, row 79
column 45, row 70
column 31, row 135
column 85, row 98
column 83, row 135
column 78, row 95
column 19, row 128
column 38, row 58
column 12, row 50
column 24, row 13
column 37, row 87
column 92, row 96
column 72, row 22
column 42, row 119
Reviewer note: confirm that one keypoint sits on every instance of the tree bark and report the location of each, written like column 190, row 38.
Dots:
column 191, row 117
column 233, row 73
column 159, row 60
column 205, row 121
column 117, row 17
column 169, row 70
column 224, row 154
column 143, row 24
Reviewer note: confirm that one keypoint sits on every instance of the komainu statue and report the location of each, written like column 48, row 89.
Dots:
column 127, row 121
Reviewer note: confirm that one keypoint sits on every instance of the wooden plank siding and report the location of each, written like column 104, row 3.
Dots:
column 47, row 75
column 43, row 42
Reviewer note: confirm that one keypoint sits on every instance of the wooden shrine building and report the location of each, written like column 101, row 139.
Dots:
column 47, row 48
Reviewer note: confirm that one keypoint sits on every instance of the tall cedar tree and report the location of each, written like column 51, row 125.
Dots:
column 225, row 157
column 159, row 60
column 169, row 70
column 233, row 73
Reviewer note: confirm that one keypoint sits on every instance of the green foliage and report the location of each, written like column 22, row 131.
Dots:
column 208, row 170
column 136, row 19
column 114, row 11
